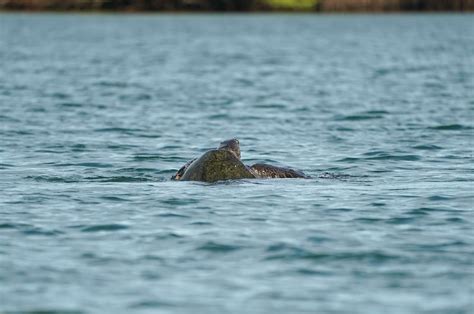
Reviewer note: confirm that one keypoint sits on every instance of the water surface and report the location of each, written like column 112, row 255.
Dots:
column 98, row 111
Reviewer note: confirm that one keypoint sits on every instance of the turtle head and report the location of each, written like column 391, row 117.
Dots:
column 232, row 145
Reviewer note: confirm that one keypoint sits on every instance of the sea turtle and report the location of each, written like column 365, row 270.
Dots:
column 224, row 163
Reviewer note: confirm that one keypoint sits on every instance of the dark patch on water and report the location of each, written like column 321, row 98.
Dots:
column 36, row 231
column 170, row 235
column 451, row 127
column 119, row 179
column 115, row 84
column 106, row 227
column 118, row 130
column 70, row 105
column 438, row 198
column 180, row 201
column 401, row 220
column 288, row 253
column 382, row 156
column 215, row 247
column 114, row 198
column 45, row 311
column 359, row 117
column 14, row 226
column 368, row 220
column 201, row 223
column 271, row 106
column 341, row 209
column 143, row 157
column 427, row 147
column 172, row 215
column 150, row 304
column 53, row 179
column 311, row 272
column 94, row 165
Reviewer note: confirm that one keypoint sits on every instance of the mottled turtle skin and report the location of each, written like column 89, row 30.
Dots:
column 232, row 146
column 269, row 171
column 224, row 163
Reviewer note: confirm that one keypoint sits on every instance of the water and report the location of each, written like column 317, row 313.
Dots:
column 98, row 111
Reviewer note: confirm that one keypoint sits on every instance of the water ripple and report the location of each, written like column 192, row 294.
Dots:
column 451, row 127
column 216, row 247
column 288, row 253
column 105, row 227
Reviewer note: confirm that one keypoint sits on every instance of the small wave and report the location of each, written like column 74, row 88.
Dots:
column 395, row 157
column 118, row 130
column 341, row 209
column 450, row 127
column 9, row 225
column 70, row 105
column 135, row 97
column 201, row 223
column 328, row 175
column 219, row 116
column 152, row 257
column 28, row 229
column 382, row 156
column 377, row 112
column 145, row 135
column 427, row 147
column 270, row 106
column 78, row 148
column 439, row 198
column 344, row 129
column 150, row 304
column 423, row 211
column 53, row 179
column 41, row 232
column 143, row 157
column 288, row 253
column 121, row 146
column 111, row 84
column 367, row 220
column 138, row 170
column 180, row 201
column 94, row 165
column 215, row 247
column 456, row 220
column 170, row 147
column 359, row 117
column 168, row 235
column 114, row 198
column 440, row 246
column 172, row 215
column 17, row 132
column 400, row 220
column 45, row 311
column 106, row 227
column 311, row 272
column 4, row 118
column 118, row 179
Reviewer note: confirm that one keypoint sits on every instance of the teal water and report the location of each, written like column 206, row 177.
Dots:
column 98, row 111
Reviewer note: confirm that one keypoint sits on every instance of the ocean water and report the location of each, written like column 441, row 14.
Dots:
column 98, row 111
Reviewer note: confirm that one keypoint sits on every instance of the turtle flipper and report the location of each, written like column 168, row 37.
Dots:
column 269, row 171
column 182, row 170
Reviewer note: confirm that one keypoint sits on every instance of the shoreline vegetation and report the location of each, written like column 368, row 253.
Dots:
column 239, row 5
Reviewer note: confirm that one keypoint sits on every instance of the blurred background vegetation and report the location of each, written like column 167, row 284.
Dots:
column 241, row 5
